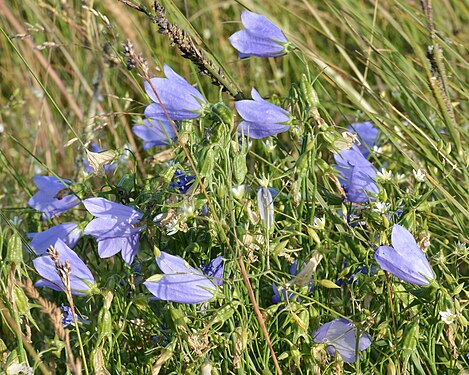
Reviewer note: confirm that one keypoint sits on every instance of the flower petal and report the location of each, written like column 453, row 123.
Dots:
column 104, row 208
column 43, row 240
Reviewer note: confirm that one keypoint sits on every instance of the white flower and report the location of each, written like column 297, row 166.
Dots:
column 384, row 175
column 377, row 149
column 400, row 178
column 19, row 368
column 381, row 207
column 319, row 223
column 269, row 146
column 265, row 204
column 238, row 191
column 447, row 316
column 419, row 175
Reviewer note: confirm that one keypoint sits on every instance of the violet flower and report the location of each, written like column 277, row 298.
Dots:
column 179, row 282
column 367, row 134
column 116, row 228
column 356, row 175
column 67, row 232
column 67, row 317
column 179, row 98
column 261, row 118
column 182, row 181
column 81, row 278
column 340, row 335
column 53, row 197
column 259, row 38
column 404, row 259
column 215, row 269
column 154, row 133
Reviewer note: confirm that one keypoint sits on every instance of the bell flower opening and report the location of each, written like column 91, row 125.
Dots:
column 340, row 335
column 404, row 259
column 116, row 228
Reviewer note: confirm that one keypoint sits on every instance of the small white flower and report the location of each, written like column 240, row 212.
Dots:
column 19, row 368
column 319, row 223
column 381, row 207
column 269, row 146
column 400, row 178
column 447, row 316
column 384, row 175
column 187, row 210
column 238, row 191
column 377, row 149
column 419, row 175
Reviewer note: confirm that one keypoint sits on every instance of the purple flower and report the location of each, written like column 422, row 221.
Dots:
column 356, row 174
column 109, row 167
column 261, row 118
column 81, row 278
column 53, row 196
column 340, row 335
column 154, row 133
column 259, row 38
column 180, row 282
column 67, row 317
column 67, row 232
column 404, row 260
column 215, row 270
column 182, row 181
column 115, row 228
column 367, row 134
column 179, row 98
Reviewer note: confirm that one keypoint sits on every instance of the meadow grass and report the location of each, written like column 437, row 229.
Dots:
column 66, row 83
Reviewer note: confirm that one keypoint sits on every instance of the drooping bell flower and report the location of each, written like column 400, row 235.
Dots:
column 356, row 175
column 67, row 232
column 261, row 118
column 179, row 282
column 260, row 37
column 81, row 278
column 179, row 98
column 265, row 204
column 367, row 135
column 53, row 197
column 340, row 335
column 404, row 259
column 116, row 228
column 154, row 133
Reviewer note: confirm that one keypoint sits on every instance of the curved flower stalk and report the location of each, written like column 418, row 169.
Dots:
column 340, row 335
column 260, row 37
column 261, row 118
column 115, row 228
column 53, row 197
column 404, row 259
column 356, row 175
column 179, row 282
column 367, row 134
column 81, row 278
column 66, row 232
column 179, row 98
column 154, row 133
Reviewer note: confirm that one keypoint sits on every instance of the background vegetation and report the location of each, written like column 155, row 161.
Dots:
column 401, row 64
